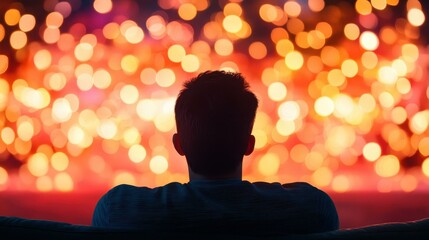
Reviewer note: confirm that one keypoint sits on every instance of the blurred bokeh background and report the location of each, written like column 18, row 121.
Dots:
column 87, row 90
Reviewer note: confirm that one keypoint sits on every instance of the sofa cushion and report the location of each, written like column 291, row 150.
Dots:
column 20, row 228
column 400, row 230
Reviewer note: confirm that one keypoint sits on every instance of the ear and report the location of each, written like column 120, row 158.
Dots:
column 250, row 145
column 177, row 144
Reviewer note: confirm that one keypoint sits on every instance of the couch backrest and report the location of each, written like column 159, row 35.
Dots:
column 20, row 228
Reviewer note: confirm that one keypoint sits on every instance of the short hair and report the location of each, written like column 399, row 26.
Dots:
column 215, row 112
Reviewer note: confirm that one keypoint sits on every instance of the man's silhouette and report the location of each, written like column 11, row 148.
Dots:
column 214, row 116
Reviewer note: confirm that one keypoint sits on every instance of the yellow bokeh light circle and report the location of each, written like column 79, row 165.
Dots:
column 292, row 8
column 294, row 60
column 379, row 4
column 38, row 164
column 59, row 161
column 386, row 100
column 269, row 164
column 371, row 151
column 284, row 46
column 107, row 129
column 12, row 16
column 146, row 109
column 257, row 50
column 285, row 127
column 344, row 105
column 387, row 75
column 232, row 8
column 102, row 79
column 64, row 182
column 27, row 22
column 351, row 31
column 369, row 41
column 324, row 106
column 268, row 12
column 187, row 11
column 410, row 52
column 277, row 91
column 4, row 61
column 190, row 63
column 363, row 7
column 367, row 102
column 349, row 68
column 54, row 20
column 3, row 176
column 164, row 122
column 176, row 53
column 130, row 64
column 61, row 110
column 336, row 78
column 56, row 81
column 25, row 130
column 76, row 135
column 165, row 77
column 416, row 17
column 223, row 47
column 158, row 164
column 387, row 166
column 129, row 94
column 7, row 135
column 124, row 178
column 399, row 115
column 134, row 34
column 425, row 167
column 409, row 183
column 369, row 60
column 261, row 138
column 423, row 146
column 341, row 183
column 400, row 66
column 419, row 122
column 83, row 52
column 232, row 23
column 322, row 177
column 289, row 111
column 137, row 153
column 18, row 40
column 103, row 6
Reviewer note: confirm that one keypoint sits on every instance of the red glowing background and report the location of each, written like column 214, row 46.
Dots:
column 87, row 90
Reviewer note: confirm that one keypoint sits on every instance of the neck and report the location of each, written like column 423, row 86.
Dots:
column 236, row 175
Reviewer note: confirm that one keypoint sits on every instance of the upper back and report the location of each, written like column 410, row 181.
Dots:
column 296, row 207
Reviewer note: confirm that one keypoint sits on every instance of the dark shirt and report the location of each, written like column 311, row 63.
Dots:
column 227, row 206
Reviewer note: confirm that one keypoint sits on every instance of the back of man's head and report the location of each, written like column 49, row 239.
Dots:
column 214, row 116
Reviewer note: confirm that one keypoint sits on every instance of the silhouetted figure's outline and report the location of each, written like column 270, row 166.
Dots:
column 215, row 113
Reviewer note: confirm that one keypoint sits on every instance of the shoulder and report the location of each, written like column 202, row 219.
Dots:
column 306, row 188
column 300, row 185
column 295, row 186
column 125, row 190
column 122, row 188
column 301, row 192
column 320, row 204
column 317, row 202
column 309, row 190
